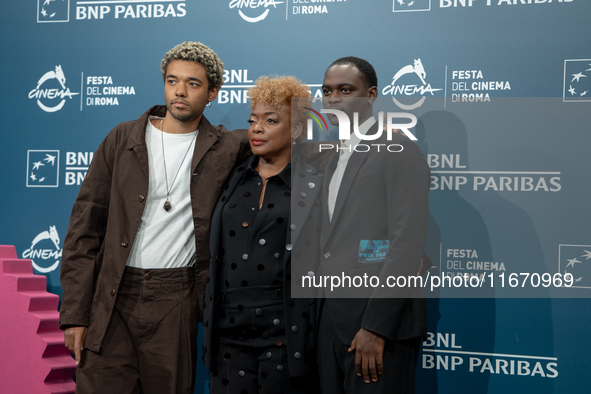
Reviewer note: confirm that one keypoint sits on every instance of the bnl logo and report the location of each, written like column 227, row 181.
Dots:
column 411, row 5
column 576, row 260
column 53, row 11
column 43, row 168
column 577, row 80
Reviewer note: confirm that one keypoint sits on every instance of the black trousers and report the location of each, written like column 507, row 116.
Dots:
column 252, row 351
column 337, row 364
column 151, row 342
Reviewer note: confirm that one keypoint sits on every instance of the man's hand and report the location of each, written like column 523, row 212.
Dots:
column 369, row 352
column 74, row 339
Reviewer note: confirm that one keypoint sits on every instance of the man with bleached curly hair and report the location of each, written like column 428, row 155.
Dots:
column 136, row 255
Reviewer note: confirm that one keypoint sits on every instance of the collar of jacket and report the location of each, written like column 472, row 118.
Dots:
column 138, row 134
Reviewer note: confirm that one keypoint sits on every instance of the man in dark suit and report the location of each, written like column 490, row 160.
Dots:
column 374, row 222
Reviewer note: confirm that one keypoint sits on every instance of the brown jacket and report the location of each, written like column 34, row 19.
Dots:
column 108, row 210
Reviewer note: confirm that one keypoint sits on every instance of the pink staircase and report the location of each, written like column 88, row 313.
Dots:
column 33, row 358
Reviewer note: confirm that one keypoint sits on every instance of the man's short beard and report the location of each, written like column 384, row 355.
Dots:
column 181, row 118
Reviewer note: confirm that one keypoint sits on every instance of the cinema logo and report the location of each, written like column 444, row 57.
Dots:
column 442, row 351
column 100, row 90
column 45, row 251
column 470, row 86
column 51, row 91
column 254, row 7
column 410, row 81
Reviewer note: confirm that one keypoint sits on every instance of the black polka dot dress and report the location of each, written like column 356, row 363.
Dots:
column 252, row 355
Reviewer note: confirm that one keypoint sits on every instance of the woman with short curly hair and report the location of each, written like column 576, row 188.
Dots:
column 258, row 339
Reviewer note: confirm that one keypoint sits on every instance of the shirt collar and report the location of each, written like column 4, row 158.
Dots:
column 284, row 176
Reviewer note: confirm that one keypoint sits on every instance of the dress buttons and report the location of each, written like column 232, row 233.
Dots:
column 262, row 242
column 297, row 355
column 311, row 185
column 309, row 171
column 292, row 227
column 326, row 255
column 244, row 257
column 148, row 277
column 280, row 368
column 304, row 195
column 125, row 244
column 141, row 198
column 277, row 255
column 310, row 273
column 245, row 224
column 276, row 322
column 288, row 246
column 113, row 292
column 241, row 374
column 232, row 205
column 258, row 312
column 269, row 355
column 294, row 328
column 279, row 343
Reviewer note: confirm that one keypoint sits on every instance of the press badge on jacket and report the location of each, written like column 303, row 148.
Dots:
column 373, row 251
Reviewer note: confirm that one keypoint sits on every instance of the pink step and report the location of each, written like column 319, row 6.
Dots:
column 7, row 252
column 34, row 358
column 53, row 337
column 49, row 321
column 42, row 301
column 55, row 345
column 31, row 283
column 61, row 388
column 60, row 363
column 16, row 266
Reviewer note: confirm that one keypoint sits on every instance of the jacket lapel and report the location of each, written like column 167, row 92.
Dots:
column 330, row 169
column 206, row 137
column 137, row 137
column 353, row 165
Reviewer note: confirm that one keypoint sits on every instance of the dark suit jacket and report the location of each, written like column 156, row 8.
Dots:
column 299, row 312
column 383, row 196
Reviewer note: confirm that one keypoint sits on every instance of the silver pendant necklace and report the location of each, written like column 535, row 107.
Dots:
column 167, row 205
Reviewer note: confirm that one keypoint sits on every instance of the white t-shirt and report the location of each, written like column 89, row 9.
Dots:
column 166, row 239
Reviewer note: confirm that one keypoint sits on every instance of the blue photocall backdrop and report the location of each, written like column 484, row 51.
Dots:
column 73, row 69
